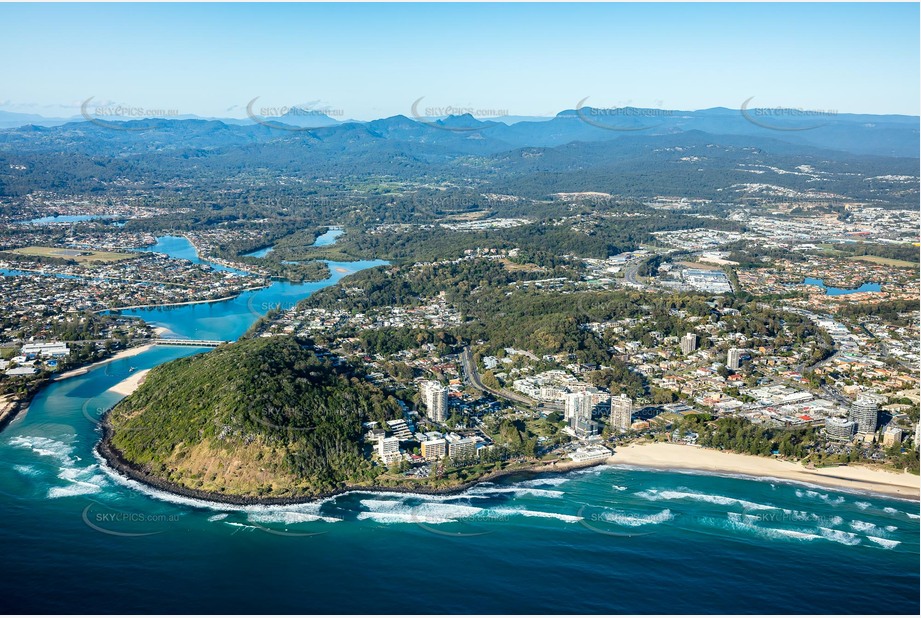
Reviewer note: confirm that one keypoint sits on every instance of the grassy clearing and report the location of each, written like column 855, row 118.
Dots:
column 885, row 261
column 515, row 267
column 81, row 256
column 467, row 216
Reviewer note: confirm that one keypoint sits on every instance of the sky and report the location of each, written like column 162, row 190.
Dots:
column 366, row 61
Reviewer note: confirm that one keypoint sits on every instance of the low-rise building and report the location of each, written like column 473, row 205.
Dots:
column 892, row 436
column 590, row 454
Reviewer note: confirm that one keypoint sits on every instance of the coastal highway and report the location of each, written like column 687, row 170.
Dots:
column 630, row 276
column 474, row 377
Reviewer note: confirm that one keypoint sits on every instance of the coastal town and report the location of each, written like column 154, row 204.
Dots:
column 703, row 361
column 850, row 378
column 606, row 309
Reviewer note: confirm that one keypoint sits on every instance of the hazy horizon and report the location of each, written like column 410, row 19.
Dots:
column 496, row 59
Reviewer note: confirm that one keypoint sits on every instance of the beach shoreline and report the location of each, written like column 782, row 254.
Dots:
column 79, row 371
column 668, row 456
column 653, row 456
column 131, row 383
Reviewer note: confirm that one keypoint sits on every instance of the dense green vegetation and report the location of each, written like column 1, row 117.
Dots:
column 546, row 240
column 905, row 252
column 288, row 419
column 741, row 436
column 203, row 159
column 891, row 311
column 499, row 311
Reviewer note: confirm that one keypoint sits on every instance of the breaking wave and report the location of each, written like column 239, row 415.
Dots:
column 516, row 491
column 398, row 511
column 808, row 493
column 526, row 513
column 553, row 481
column 81, row 481
column 287, row 517
column 839, row 536
column 666, row 494
column 885, row 543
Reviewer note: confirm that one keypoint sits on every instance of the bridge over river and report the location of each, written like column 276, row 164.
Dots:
column 198, row 343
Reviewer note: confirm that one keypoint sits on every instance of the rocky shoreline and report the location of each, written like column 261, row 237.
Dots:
column 9, row 408
column 117, row 462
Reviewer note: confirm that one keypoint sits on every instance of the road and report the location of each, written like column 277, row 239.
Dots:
column 474, row 377
column 630, row 275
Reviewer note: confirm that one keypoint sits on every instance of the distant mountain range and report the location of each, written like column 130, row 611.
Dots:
column 862, row 134
column 709, row 154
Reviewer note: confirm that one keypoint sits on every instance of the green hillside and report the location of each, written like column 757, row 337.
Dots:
column 262, row 417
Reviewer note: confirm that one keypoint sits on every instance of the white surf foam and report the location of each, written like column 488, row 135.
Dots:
column 388, row 511
column 598, row 470
column 553, row 481
column 516, row 491
column 667, row 494
column 527, row 513
column 885, row 543
column 870, row 528
column 287, row 517
column 403, row 518
column 77, row 489
column 793, row 534
column 839, row 536
column 46, row 447
column 619, row 487
column 26, row 470
column 819, row 496
column 745, row 523
column 80, row 480
column 863, row 506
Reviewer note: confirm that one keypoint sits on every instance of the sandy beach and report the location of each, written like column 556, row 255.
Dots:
column 665, row 455
column 131, row 383
column 118, row 355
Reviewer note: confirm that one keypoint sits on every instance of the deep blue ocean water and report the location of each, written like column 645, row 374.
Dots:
column 78, row 538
